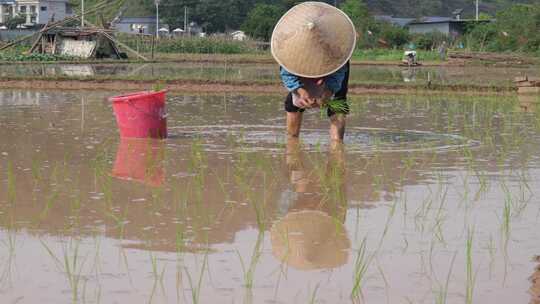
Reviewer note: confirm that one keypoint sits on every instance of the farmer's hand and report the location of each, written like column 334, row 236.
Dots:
column 326, row 95
column 305, row 100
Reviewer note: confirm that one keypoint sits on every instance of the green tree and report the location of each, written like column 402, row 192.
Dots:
column 395, row 36
column 218, row 16
column 519, row 28
column 358, row 12
column 172, row 12
column 363, row 22
column 516, row 28
column 261, row 20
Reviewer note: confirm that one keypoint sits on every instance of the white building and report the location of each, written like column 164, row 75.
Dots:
column 238, row 35
column 35, row 11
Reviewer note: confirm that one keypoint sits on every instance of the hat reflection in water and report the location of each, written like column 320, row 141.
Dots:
column 311, row 235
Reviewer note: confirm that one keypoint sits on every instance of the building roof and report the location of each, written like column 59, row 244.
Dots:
column 395, row 21
column 148, row 19
column 432, row 20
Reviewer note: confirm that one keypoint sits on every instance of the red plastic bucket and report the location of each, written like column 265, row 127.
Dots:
column 141, row 114
column 140, row 160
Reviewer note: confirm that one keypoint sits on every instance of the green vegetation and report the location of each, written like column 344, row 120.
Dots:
column 188, row 45
column 261, row 20
column 515, row 29
column 22, row 57
column 203, row 46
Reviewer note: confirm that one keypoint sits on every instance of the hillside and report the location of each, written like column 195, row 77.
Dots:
column 220, row 15
column 417, row 8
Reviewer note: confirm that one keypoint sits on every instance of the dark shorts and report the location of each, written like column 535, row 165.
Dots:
column 341, row 95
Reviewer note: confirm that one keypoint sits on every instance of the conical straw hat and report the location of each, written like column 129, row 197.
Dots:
column 313, row 39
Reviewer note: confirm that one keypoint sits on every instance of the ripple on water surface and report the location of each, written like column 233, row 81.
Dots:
column 357, row 140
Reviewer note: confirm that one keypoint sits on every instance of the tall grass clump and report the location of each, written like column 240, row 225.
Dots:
column 190, row 45
column 204, row 46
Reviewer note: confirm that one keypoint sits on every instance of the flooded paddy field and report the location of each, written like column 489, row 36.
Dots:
column 432, row 199
column 443, row 75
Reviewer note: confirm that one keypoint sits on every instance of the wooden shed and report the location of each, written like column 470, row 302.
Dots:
column 77, row 42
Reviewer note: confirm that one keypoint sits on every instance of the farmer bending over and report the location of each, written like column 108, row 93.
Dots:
column 313, row 43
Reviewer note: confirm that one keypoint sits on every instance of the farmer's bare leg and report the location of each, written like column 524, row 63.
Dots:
column 337, row 127
column 294, row 123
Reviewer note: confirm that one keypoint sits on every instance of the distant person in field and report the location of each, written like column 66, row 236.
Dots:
column 313, row 43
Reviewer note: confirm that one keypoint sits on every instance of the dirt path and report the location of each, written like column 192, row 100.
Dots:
column 219, row 87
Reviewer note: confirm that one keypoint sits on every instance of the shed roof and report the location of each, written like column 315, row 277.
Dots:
column 396, row 21
column 433, row 20
column 147, row 19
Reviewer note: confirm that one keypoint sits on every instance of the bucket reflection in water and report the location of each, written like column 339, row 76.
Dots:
column 140, row 160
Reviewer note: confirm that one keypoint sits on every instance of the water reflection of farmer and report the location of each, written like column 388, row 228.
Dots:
column 313, row 43
column 311, row 234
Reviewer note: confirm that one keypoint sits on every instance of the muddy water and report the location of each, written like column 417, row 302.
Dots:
column 268, row 72
column 431, row 199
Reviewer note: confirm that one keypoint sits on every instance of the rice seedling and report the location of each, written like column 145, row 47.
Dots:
column 492, row 251
column 441, row 294
column 6, row 275
column 249, row 272
column 11, row 184
column 313, row 297
column 391, row 213
column 196, row 286
column 49, row 202
column 471, row 275
column 36, row 171
column 120, row 220
column 180, row 247
column 361, row 266
column 386, row 284
column 124, row 263
column 70, row 265
column 334, row 105
column 440, row 217
column 157, row 276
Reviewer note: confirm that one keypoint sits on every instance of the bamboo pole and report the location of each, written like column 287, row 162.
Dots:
column 119, row 43
column 125, row 46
